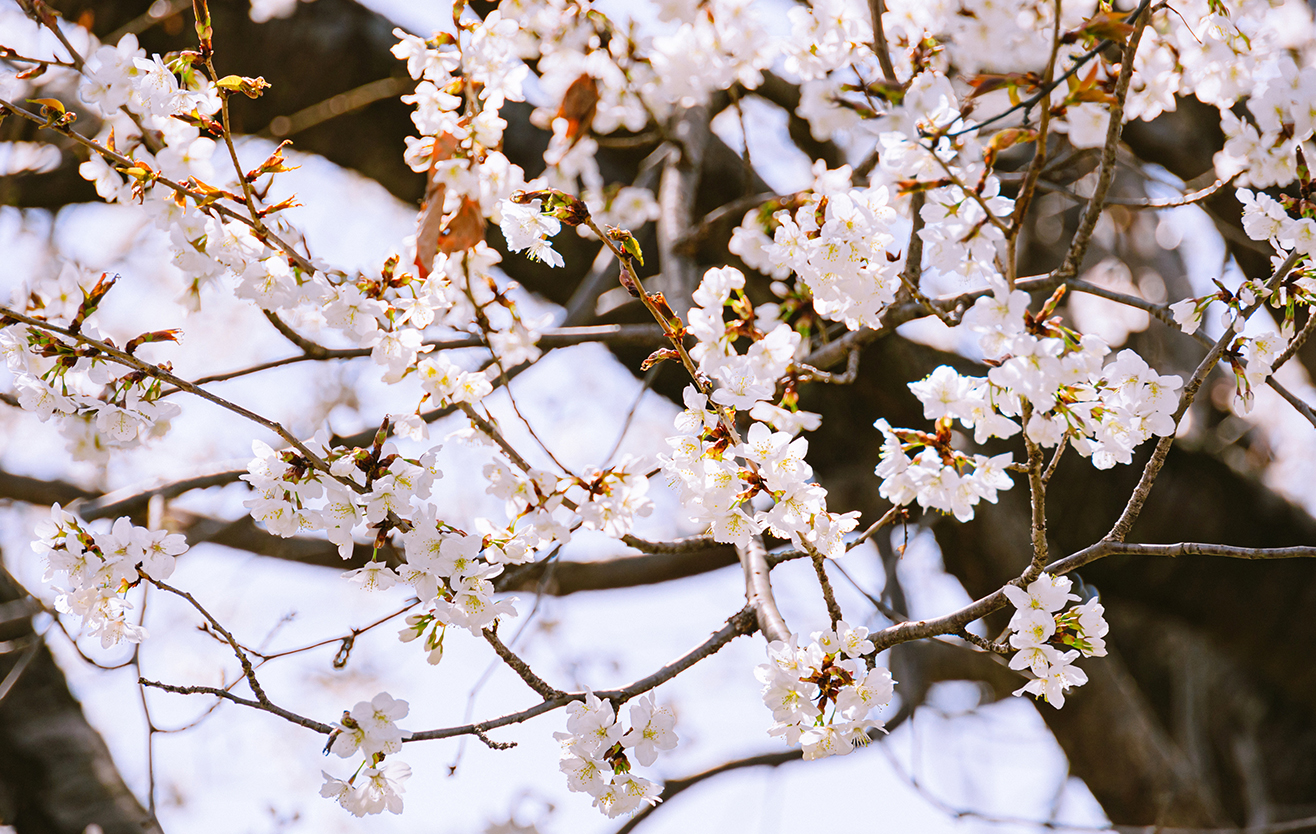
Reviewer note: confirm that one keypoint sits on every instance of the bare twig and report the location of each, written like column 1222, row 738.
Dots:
column 1106, row 174
column 300, row 720
column 642, row 335
column 248, row 672
column 955, row 622
column 1055, row 461
column 829, row 596
column 521, row 668
column 1157, row 460
column 1187, row 199
column 490, row 743
column 876, row 8
column 739, row 624
column 1037, row 499
column 156, row 372
column 1299, row 340
column 887, row 518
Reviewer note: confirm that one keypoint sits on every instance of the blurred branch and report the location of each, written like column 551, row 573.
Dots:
column 677, row 188
column 281, row 127
column 56, row 773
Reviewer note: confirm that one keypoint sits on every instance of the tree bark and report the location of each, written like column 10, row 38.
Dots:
column 56, row 775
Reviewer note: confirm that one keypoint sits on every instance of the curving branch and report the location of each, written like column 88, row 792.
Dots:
column 955, row 622
column 740, row 623
column 1157, row 460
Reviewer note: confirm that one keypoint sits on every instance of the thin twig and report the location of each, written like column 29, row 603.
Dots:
column 1025, row 197
column 1087, row 223
column 521, row 668
column 1055, row 461
column 1187, row 199
column 739, row 624
column 1037, row 499
column 352, row 634
column 201, row 199
column 887, row 518
column 611, row 334
column 301, row 720
column 1032, row 101
column 1298, row 341
column 490, row 430
column 490, row 743
column 248, row 672
column 956, row 621
column 1157, row 460
column 156, row 372
column 829, row 596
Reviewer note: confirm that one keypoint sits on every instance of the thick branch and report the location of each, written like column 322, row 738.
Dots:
column 758, row 590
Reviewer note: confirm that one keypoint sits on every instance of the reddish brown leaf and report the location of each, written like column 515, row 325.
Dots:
column 429, row 225
column 659, row 355
column 1109, row 26
column 579, row 104
column 464, row 230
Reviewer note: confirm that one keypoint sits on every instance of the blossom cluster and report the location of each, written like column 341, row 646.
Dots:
column 1040, row 368
column 369, row 728
column 842, row 250
column 1251, row 355
column 838, row 243
column 716, row 473
column 1041, row 633
column 821, row 694
column 596, row 751
column 716, row 489
column 98, row 409
column 381, row 490
column 100, row 565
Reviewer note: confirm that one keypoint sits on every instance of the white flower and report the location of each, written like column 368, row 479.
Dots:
column 651, row 730
column 593, row 723
column 1061, row 676
column 526, row 227
column 374, row 576
column 874, row 690
column 158, row 547
column 1047, row 593
column 1087, row 124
